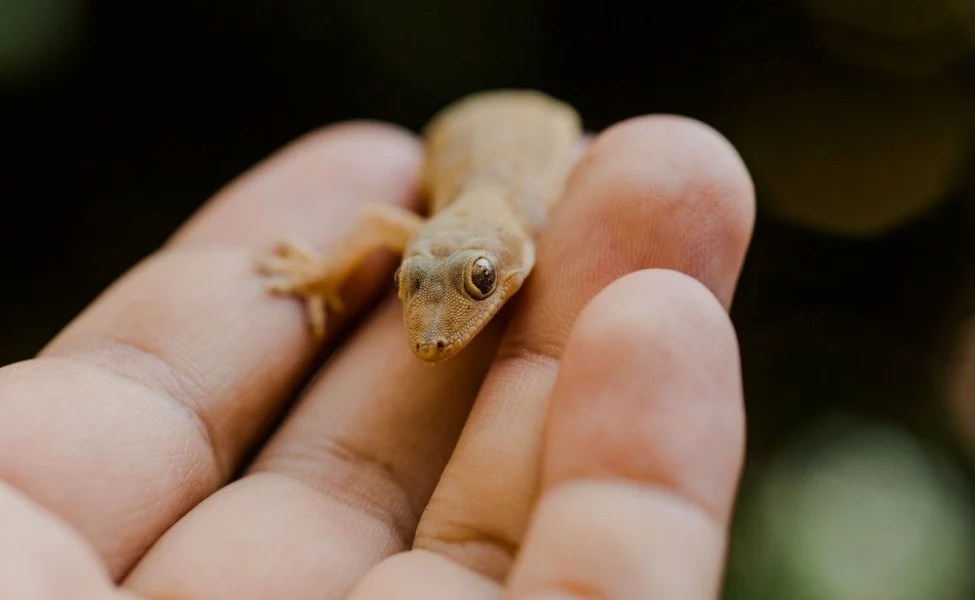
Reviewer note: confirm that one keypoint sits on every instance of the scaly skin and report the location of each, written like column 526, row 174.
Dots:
column 496, row 163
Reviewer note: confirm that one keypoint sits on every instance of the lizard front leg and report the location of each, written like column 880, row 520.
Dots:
column 298, row 270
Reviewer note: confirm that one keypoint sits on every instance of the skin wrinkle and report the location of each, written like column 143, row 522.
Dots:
column 571, row 501
column 150, row 361
column 168, row 383
column 165, row 362
column 370, row 508
column 202, row 474
column 492, row 551
column 473, row 540
column 113, row 378
column 365, row 496
column 490, row 544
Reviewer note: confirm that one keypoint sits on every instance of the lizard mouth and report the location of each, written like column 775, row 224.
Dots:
column 437, row 349
column 434, row 350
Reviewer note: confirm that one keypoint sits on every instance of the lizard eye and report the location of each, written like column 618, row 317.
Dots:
column 481, row 278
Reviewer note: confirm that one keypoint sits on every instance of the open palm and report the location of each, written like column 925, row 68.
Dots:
column 169, row 443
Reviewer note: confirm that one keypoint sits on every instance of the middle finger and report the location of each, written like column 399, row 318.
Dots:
column 656, row 191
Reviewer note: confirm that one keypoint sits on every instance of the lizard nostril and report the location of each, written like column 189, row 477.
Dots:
column 429, row 350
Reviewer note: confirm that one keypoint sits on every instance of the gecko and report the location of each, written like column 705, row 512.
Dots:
column 495, row 163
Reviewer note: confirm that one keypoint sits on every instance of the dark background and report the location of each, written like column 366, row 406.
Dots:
column 855, row 310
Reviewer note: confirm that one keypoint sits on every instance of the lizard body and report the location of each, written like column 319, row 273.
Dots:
column 495, row 164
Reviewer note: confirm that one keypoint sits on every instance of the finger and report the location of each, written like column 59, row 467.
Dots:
column 41, row 558
column 147, row 402
column 650, row 192
column 643, row 450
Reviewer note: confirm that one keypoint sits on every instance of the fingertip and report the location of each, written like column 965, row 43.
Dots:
column 649, row 390
column 676, row 182
column 644, row 307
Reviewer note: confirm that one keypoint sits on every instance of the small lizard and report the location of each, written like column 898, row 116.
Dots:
column 495, row 164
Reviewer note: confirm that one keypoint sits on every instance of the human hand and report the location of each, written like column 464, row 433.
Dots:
column 145, row 454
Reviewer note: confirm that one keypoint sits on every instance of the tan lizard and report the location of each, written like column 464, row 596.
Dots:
column 495, row 164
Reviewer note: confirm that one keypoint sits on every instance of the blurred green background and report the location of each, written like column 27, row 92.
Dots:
column 856, row 309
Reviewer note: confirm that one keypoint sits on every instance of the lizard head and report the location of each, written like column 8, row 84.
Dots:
column 448, row 299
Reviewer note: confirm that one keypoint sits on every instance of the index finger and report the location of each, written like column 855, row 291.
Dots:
column 147, row 402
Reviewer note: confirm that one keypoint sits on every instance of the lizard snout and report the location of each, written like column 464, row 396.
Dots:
column 430, row 350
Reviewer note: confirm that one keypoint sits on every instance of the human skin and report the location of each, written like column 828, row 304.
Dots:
column 164, row 445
